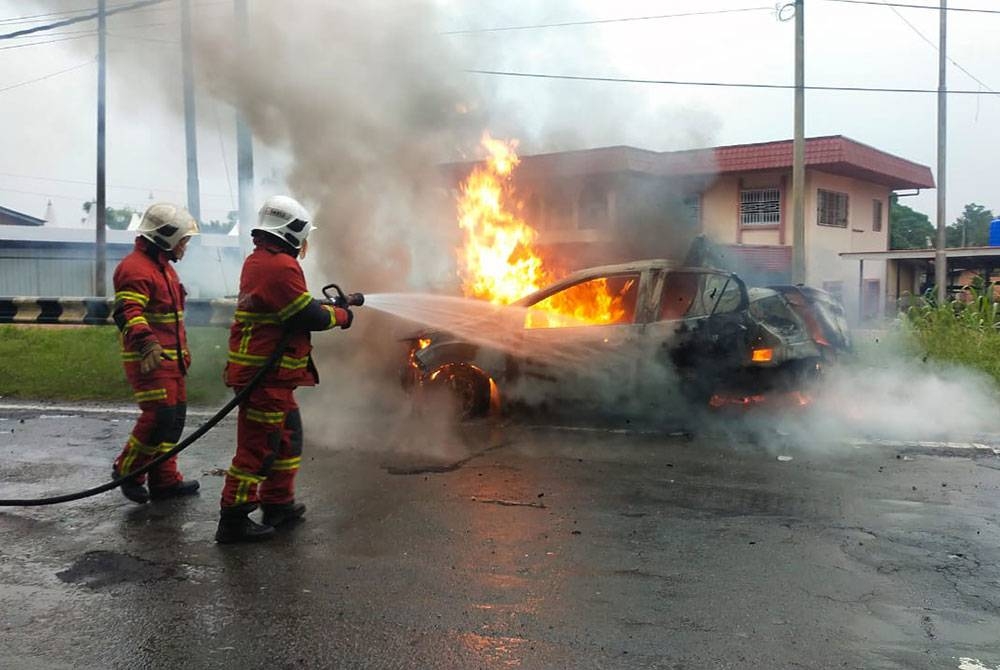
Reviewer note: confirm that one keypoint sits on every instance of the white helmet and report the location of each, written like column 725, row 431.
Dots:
column 165, row 225
column 284, row 218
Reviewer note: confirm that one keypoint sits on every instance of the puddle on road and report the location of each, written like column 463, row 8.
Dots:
column 99, row 569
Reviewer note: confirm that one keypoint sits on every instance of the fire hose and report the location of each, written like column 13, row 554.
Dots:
column 339, row 300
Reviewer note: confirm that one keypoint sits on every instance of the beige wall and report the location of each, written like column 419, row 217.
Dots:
column 720, row 220
column 825, row 243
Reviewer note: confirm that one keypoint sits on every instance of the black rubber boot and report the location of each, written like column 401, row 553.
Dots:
column 236, row 526
column 132, row 489
column 185, row 488
column 283, row 514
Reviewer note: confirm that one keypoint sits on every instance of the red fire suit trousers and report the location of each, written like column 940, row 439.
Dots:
column 268, row 449
column 163, row 406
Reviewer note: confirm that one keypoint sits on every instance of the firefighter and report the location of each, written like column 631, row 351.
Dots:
column 149, row 313
column 273, row 300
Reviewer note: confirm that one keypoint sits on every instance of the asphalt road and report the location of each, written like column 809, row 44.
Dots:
column 509, row 546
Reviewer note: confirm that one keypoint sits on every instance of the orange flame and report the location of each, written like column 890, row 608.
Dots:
column 499, row 260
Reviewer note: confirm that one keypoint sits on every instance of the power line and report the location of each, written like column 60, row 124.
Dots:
column 936, row 8
column 935, row 47
column 564, row 24
column 720, row 84
column 37, row 18
column 36, row 44
column 83, row 182
column 79, row 19
column 47, row 76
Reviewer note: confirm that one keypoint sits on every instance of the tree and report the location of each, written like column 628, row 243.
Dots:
column 115, row 218
column 971, row 229
column 216, row 227
column 908, row 228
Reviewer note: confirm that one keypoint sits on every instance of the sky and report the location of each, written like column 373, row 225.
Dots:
column 49, row 151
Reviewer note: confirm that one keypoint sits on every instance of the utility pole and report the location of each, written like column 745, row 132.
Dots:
column 940, row 258
column 799, row 153
column 190, row 119
column 100, row 270
column 244, row 145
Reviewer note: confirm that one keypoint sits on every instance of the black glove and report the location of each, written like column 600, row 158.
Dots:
column 350, row 319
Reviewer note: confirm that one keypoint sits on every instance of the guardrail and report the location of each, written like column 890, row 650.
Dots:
column 97, row 311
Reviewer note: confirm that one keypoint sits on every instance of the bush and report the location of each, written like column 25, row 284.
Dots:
column 965, row 330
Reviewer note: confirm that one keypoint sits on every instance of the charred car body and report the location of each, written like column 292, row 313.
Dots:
column 697, row 332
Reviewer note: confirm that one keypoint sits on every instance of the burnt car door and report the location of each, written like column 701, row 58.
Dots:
column 578, row 340
column 698, row 331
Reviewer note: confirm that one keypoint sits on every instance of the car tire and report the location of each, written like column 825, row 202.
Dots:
column 468, row 387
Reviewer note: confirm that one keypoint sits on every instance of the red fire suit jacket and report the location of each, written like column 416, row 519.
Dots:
column 273, row 298
column 149, row 304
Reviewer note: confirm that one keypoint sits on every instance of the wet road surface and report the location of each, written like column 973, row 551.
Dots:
column 508, row 547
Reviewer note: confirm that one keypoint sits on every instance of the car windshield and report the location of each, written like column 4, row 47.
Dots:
column 601, row 301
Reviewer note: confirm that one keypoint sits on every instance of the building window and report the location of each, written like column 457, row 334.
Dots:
column 832, row 209
column 691, row 205
column 877, row 216
column 593, row 203
column 760, row 207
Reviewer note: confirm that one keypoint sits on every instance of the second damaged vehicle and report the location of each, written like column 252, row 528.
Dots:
column 639, row 337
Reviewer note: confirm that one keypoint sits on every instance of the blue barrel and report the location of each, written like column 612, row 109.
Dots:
column 995, row 232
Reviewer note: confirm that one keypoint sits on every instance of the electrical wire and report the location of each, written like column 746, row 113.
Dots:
column 38, row 44
column 591, row 22
column 935, row 47
column 47, row 76
column 78, row 19
column 720, row 84
column 915, row 6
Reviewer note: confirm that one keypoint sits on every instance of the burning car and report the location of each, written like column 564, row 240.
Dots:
column 614, row 335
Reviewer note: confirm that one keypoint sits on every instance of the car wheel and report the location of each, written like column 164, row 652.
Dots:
column 468, row 388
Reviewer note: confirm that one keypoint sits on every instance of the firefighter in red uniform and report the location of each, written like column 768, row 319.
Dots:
column 273, row 300
column 149, row 312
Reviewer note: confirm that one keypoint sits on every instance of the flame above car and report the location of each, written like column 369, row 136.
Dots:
column 500, row 260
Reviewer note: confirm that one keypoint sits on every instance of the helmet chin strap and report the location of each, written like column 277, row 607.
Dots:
column 303, row 249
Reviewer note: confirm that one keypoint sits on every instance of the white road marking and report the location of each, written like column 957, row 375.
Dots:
column 58, row 411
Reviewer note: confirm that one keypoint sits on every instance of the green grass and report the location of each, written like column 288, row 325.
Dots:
column 83, row 363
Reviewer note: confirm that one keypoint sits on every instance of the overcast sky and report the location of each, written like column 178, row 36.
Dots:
column 50, row 124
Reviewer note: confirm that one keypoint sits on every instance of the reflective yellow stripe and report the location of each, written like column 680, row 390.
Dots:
column 155, row 394
column 287, row 464
column 136, row 320
column 245, row 340
column 166, row 446
column 236, row 473
column 133, row 296
column 170, row 354
column 164, row 317
column 333, row 316
column 257, row 317
column 295, row 306
column 290, row 363
column 265, row 417
column 242, row 492
column 254, row 361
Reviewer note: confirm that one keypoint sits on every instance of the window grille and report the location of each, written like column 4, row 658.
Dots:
column 692, row 209
column 876, row 215
column 760, row 207
column 831, row 209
